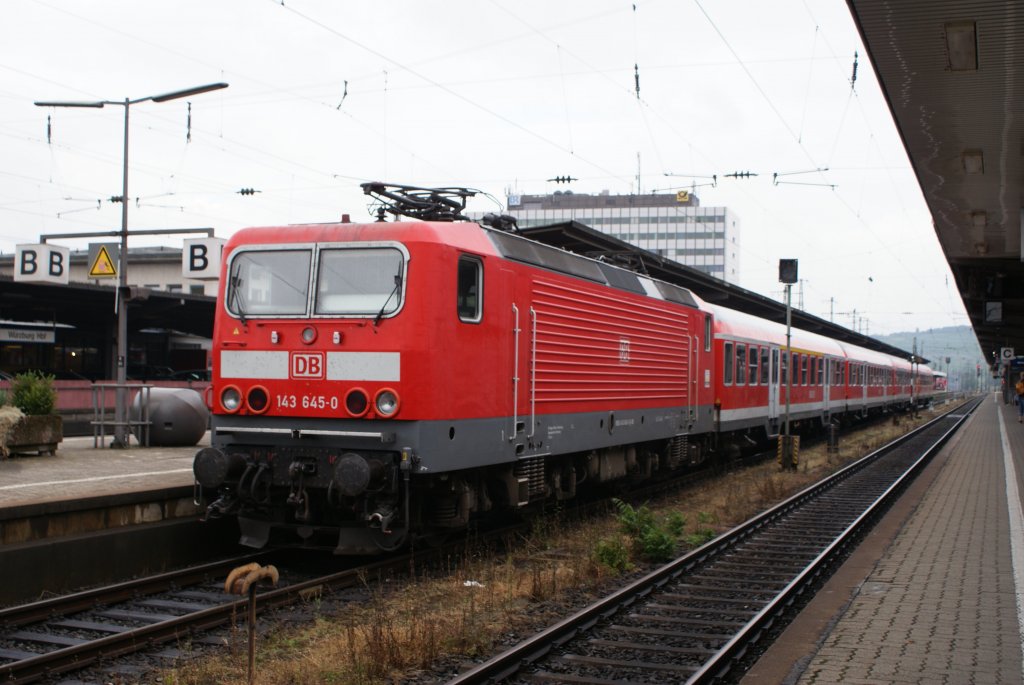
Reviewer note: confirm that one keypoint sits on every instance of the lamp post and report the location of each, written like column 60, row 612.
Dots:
column 121, row 432
column 788, row 276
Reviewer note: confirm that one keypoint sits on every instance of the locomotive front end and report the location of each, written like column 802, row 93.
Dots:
column 307, row 392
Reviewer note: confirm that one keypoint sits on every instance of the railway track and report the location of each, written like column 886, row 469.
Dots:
column 73, row 632
column 696, row 618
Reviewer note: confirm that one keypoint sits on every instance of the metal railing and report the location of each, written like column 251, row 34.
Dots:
column 104, row 417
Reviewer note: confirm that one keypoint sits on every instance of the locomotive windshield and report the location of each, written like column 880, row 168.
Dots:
column 363, row 281
column 269, row 282
column 354, row 281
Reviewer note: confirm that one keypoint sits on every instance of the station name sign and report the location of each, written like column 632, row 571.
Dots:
column 26, row 336
column 49, row 263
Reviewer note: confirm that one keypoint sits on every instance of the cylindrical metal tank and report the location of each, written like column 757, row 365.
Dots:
column 178, row 416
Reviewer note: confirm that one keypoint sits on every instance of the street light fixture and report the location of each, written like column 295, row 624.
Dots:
column 121, row 432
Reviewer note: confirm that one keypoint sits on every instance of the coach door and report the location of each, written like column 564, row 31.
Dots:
column 773, row 386
column 825, row 369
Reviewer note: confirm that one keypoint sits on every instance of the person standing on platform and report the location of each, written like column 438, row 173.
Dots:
column 1020, row 398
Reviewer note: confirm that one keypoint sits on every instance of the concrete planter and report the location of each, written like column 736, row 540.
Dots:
column 35, row 434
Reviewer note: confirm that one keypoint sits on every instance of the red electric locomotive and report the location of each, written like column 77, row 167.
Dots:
column 374, row 382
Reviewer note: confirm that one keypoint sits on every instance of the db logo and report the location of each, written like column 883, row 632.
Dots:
column 307, row 365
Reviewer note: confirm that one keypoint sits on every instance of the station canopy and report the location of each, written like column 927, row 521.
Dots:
column 91, row 307
column 953, row 75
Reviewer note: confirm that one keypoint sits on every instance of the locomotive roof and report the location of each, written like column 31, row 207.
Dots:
column 461, row 234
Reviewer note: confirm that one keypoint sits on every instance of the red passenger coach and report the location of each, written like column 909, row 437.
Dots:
column 826, row 379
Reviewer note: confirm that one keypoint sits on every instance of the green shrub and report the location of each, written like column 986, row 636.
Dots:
column 657, row 544
column 33, row 393
column 675, row 522
column 650, row 539
column 701, row 536
column 612, row 552
column 634, row 521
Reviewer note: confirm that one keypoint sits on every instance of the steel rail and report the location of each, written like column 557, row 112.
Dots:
column 80, row 656
column 723, row 660
column 534, row 649
column 35, row 612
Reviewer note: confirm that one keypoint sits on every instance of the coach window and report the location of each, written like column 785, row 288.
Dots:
column 784, row 366
column 803, row 369
column 727, row 358
column 741, row 364
column 470, row 289
column 796, row 369
column 819, row 363
column 752, row 374
column 764, row 366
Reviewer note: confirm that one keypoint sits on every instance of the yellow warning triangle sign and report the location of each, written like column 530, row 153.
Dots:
column 103, row 265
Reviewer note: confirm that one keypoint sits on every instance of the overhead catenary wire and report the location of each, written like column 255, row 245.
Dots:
column 653, row 115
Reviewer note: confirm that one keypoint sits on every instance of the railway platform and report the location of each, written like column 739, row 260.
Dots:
column 79, row 469
column 88, row 515
column 933, row 594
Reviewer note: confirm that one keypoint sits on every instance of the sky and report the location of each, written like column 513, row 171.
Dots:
column 494, row 95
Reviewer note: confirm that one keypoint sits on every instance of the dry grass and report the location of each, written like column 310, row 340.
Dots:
column 407, row 625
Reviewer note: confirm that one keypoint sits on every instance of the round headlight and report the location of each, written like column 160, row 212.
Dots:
column 257, row 399
column 356, row 402
column 231, row 398
column 308, row 335
column 386, row 402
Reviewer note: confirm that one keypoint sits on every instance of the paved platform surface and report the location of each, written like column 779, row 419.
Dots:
column 79, row 470
column 938, row 600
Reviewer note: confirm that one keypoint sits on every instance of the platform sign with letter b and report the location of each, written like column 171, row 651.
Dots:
column 42, row 264
column 200, row 258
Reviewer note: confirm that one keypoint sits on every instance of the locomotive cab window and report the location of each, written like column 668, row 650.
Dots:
column 470, row 290
column 269, row 283
column 365, row 281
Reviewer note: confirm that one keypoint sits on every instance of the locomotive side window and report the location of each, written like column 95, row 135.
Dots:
column 752, row 375
column 707, row 333
column 359, row 281
column 470, row 289
column 741, row 364
column 728, row 360
column 269, row 282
